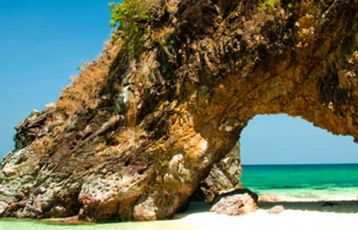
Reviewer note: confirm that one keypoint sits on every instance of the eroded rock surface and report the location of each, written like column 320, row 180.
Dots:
column 158, row 115
column 235, row 205
column 223, row 177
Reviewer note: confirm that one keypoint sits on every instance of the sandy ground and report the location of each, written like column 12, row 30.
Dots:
column 287, row 220
column 297, row 215
column 317, row 215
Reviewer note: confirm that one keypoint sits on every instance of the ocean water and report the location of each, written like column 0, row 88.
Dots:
column 304, row 182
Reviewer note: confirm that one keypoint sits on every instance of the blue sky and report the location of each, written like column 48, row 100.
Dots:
column 43, row 41
column 280, row 139
column 41, row 44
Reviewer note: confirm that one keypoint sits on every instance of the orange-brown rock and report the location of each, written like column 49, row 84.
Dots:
column 234, row 205
column 155, row 117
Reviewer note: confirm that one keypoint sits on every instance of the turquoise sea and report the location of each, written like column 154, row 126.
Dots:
column 290, row 182
column 304, row 182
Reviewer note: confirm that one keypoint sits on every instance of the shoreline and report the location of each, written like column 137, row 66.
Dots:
column 305, row 194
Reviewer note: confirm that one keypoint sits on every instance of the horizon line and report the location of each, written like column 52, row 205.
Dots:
column 288, row 164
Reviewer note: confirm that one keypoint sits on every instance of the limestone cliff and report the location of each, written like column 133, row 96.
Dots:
column 157, row 116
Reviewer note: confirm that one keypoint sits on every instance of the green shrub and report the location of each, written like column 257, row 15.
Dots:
column 269, row 5
column 128, row 15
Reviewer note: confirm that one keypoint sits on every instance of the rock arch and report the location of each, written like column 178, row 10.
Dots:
column 139, row 130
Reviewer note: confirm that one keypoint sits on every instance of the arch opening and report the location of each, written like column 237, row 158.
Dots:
column 287, row 158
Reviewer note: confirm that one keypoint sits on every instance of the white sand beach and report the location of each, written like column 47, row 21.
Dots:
column 288, row 219
column 296, row 215
column 300, row 215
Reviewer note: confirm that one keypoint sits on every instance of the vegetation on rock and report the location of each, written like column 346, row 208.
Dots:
column 131, row 16
column 269, row 5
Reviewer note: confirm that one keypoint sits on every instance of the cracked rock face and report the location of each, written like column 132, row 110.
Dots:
column 157, row 116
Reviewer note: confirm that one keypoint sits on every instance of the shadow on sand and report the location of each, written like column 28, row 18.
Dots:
column 349, row 206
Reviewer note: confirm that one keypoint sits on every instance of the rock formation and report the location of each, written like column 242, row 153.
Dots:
column 238, row 204
column 159, row 113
